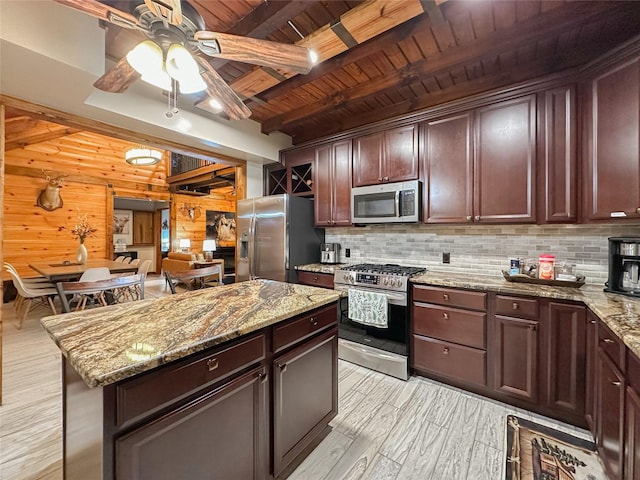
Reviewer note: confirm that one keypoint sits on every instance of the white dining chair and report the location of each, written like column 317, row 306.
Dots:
column 120, row 258
column 134, row 262
column 31, row 294
column 93, row 275
column 36, row 282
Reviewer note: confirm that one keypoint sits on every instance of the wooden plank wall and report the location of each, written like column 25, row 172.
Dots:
column 33, row 234
column 182, row 226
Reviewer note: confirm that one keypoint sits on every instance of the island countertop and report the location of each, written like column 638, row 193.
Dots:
column 106, row 345
column 620, row 313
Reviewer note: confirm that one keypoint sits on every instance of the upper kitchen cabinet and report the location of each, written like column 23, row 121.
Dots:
column 333, row 185
column 558, row 155
column 448, row 169
column 479, row 166
column 295, row 175
column 505, row 162
column 387, row 156
column 611, row 138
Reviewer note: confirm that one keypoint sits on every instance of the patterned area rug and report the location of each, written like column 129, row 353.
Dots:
column 536, row 452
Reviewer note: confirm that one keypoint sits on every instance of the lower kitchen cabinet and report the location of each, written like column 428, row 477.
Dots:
column 610, row 392
column 305, row 395
column 591, row 357
column 564, row 357
column 632, row 440
column 315, row 279
column 177, row 446
column 515, row 362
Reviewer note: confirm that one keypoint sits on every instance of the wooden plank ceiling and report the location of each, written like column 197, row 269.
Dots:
column 451, row 50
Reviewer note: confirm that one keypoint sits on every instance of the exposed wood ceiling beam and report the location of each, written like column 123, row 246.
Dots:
column 24, row 131
column 363, row 22
column 472, row 87
column 537, row 28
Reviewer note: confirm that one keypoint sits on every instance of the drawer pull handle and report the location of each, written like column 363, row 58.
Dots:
column 212, row 364
column 607, row 340
column 445, row 296
column 616, row 383
column 445, row 315
column 315, row 279
column 515, row 306
column 445, row 350
column 282, row 367
column 592, row 322
column 314, row 322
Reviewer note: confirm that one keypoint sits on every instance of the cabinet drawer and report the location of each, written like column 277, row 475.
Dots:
column 517, row 307
column 140, row 397
column 452, row 297
column 304, row 327
column 450, row 324
column 449, row 360
column 611, row 345
column 315, row 279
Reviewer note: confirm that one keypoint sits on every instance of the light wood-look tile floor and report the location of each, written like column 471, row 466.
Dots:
column 385, row 429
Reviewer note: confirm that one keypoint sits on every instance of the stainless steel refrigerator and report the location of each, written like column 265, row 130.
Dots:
column 275, row 233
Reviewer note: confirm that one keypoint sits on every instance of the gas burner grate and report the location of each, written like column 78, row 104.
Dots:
column 386, row 268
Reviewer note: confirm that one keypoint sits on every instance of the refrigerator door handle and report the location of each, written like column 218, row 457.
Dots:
column 252, row 247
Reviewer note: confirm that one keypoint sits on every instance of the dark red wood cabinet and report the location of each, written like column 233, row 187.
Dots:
column 179, row 445
column 611, row 110
column 386, row 156
column 315, row 279
column 505, row 162
column 591, row 363
column 295, row 174
column 305, row 395
column 557, row 155
column 632, row 424
column 448, row 169
column 333, row 185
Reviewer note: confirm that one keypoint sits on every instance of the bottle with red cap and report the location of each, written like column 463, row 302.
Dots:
column 545, row 266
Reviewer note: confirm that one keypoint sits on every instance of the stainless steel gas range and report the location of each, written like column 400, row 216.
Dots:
column 375, row 334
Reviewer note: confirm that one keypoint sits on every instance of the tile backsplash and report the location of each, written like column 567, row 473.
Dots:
column 481, row 249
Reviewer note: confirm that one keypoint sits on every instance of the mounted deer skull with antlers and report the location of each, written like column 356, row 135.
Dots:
column 49, row 198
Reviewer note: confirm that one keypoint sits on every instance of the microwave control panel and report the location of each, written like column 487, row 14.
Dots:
column 408, row 202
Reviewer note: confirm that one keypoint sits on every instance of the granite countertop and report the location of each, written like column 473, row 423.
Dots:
column 105, row 345
column 321, row 267
column 619, row 312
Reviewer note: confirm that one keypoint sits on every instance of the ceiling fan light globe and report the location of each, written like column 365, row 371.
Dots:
column 160, row 79
column 145, row 58
column 180, row 64
column 192, row 84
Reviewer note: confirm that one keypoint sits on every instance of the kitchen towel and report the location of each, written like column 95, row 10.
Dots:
column 368, row 308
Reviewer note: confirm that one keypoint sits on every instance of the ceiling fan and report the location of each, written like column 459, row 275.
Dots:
column 173, row 24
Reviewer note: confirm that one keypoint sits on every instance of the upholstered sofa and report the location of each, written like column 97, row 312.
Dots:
column 176, row 261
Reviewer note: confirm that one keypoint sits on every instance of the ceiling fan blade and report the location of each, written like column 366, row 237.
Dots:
column 217, row 88
column 102, row 11
column 118, row 78
column 169, row 10
column 257, row 52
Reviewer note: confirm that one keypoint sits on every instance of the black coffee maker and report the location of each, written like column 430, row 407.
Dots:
column 624, row 266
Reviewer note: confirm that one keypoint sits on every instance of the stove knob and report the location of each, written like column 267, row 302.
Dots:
column 392, row 283
column 385, row 280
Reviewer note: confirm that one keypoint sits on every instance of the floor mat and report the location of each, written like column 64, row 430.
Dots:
column 536, row 452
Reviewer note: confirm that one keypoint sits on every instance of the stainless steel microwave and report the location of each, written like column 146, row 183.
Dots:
column 386, row 203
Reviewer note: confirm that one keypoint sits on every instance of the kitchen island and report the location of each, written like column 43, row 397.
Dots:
column 203, row 383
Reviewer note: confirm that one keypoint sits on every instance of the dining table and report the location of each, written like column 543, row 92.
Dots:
column 59, row 271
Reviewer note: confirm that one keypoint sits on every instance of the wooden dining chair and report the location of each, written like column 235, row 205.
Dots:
column 194, row 279
column 113, row 290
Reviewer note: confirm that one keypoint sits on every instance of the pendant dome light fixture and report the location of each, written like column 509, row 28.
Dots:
column 142, row 156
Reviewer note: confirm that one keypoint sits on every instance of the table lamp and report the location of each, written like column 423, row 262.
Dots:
column 185, row 244
column 209, row 246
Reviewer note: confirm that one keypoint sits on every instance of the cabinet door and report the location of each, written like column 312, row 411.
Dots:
column 333, row 185
column 400, row 154
column 323, row 199
column 305, row 396
column 591, row 355
column 610, row 415
column 367, row 159
column 558, row 163
column 612, row 157
column 448, row 169
column 505, row 168
column 186, row 443
column 300, row 166
column 565, row 345
column 632, row 442
column 516, row 357
column 143, row 228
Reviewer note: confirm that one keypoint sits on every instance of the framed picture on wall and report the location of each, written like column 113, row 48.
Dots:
column 123, row 227
column 221, row 227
